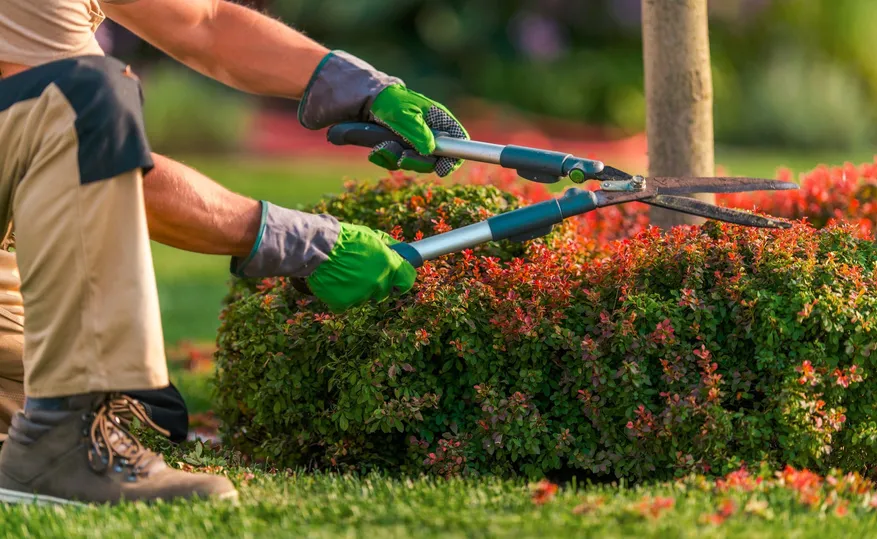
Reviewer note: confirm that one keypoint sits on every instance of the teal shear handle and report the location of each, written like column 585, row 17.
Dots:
column 523, row 224
column 537, row 165
column 520, row 225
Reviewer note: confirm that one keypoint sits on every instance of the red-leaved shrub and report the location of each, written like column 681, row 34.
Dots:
column 847, row 193
column 646, row 357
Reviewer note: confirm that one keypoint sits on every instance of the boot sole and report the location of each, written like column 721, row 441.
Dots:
column 14, row 496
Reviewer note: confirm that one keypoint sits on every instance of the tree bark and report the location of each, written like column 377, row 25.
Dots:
column 679, row 96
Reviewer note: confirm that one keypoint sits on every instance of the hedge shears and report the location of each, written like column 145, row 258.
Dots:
column 544, row 166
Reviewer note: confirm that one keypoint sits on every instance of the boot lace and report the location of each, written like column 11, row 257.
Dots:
column 112, row 444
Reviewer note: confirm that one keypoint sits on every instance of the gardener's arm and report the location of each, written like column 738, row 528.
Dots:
column 257, row 54
column 187, row 210
column 228, row 42
column 344, row 264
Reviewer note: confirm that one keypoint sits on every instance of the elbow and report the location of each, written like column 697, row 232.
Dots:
column 204, row 47
column 195, row 38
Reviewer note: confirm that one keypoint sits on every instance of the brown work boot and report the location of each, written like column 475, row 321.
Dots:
column 84, row 453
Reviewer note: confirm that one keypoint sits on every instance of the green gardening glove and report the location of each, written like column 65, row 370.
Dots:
column 344, row 265
column 361, row 268
column 414, row 118
column 344, row 88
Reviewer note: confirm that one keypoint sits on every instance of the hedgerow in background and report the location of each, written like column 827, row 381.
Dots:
column 846, row 193
column 648, row 357
column 798, row 74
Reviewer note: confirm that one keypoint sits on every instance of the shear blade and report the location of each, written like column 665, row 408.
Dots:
column 697, row 207
column 691, row 185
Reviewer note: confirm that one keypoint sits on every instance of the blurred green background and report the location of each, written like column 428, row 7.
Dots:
column 795, row 84
column 787, row 73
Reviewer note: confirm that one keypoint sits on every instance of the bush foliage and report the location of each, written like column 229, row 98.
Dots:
column 647, row 357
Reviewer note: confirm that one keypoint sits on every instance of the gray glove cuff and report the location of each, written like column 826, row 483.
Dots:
column 290, row 243
column 342, row 89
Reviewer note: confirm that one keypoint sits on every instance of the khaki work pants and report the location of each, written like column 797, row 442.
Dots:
column 11, row 342
column 72, row 157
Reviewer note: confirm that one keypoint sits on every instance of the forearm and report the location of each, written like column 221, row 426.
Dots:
column 233, row 44
column 278, row 63
column 187, row 210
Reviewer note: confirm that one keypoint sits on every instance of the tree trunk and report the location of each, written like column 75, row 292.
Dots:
column 679, row 96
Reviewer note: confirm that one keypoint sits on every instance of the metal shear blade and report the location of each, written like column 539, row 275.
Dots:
column 662, row 192
column 702, row 209
column 684, row 186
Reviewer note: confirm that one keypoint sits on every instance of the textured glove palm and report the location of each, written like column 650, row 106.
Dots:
column 413, row 117
column 344, row 88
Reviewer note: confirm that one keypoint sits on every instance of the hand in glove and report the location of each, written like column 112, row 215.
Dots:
column 346, row 89
column 344, row 265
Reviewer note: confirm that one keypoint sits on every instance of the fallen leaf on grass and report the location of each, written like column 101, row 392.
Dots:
column 653, row 507
column 738, row 480
column 852, row 483
column 589, row 506
column 727, row 509
column 806, row 483
column 543, row 491
column 759, row 508
column 186, row 467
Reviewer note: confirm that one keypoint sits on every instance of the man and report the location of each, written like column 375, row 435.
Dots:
column 84, row 194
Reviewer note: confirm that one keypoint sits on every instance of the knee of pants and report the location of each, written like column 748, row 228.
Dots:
column 11, row 354
column 11, row 324
column 11, row 370
column 108, row 100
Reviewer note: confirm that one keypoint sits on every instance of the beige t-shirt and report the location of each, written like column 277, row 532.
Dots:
column 34, row 32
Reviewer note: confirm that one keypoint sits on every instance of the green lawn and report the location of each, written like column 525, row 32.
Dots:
column 191, row 286
column 309, row 505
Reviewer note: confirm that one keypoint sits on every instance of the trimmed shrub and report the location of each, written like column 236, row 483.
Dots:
column 649, row 357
